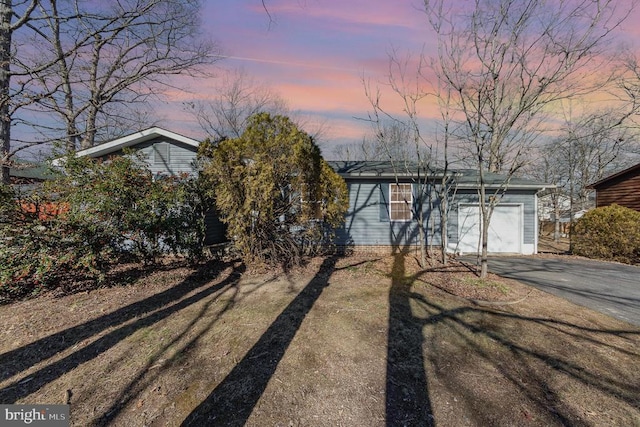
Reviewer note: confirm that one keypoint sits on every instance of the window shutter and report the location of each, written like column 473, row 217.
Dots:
column 384, row 202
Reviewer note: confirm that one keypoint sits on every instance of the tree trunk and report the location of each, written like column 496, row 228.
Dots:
column 444, row 238
column 88, row 139
column 556, row 213
column 571, row 189
column 485, row 214
column 423, row 243
column 484, row 261
column 423, row 193
column 6, row 12
column 65, row 76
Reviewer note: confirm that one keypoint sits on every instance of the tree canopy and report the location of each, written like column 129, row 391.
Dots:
column 277, row 195
column 78, row 72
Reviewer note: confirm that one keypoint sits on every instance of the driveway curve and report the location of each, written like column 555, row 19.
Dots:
column 612, row 289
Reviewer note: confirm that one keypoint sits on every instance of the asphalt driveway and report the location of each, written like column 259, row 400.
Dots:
column 613, row 289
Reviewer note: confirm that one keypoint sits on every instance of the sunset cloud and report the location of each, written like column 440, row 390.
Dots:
column 400, row 13
column 316, row 53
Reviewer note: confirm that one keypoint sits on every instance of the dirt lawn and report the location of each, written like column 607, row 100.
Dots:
column 349, row 341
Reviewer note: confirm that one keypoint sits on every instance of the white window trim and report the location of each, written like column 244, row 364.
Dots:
column 410, row 202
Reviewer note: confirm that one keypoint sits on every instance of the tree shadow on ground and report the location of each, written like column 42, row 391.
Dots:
column 407, row 391
column 407, row 397
column 147, row 375
column 528, row 365
column 146, row 312
column 122, row 274
column 233, row 400
column 488, row 337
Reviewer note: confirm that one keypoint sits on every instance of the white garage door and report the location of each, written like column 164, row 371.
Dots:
column 505, row 229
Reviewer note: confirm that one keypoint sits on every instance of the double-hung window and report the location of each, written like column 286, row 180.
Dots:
column 400, row 202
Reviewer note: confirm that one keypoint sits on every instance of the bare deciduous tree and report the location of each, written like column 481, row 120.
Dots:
column 77, row 70
column 9, row 10
column 446, row 188
column 400, row 138
column 507, row 62
column 110, row 57
column 238, row 97
column 388, row 139
column 588, row 148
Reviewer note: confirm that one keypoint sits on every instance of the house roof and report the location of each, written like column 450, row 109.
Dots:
column 30, row 171
column 133, row 139
column 465, row 178
column 371, row 169
column 619, row 176
column 469, row 178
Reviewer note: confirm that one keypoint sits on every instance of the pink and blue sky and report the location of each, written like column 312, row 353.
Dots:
column 315, row 54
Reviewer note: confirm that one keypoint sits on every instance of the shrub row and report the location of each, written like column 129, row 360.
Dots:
column 92, row 215
column 609, row 233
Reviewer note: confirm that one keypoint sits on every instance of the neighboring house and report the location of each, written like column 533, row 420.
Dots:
column 167, row 154
column 26, row 178
column 622, row 188
column 380, row 201
column 550, row 203
column 26, row 175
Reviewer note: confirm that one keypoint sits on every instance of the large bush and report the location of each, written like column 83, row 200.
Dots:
column 125, row 211
column 610, row 233
column 95, row 214
column 33, row 250
column 277, row 195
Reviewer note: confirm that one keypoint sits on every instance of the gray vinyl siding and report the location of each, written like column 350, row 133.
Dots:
column 525, row 198
column 367, row 224
column 180, row 158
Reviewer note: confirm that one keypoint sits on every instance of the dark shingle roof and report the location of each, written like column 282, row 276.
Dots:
column 464, row 177
column 375, row 168
column 30, row 171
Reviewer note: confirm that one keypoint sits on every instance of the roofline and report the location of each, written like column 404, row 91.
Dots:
column 539, row 187
column 369, row 175
column 132, row 139
column 612, row 177
column 465, row 185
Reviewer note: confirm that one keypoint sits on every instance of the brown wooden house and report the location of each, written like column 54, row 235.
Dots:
column 622, row 188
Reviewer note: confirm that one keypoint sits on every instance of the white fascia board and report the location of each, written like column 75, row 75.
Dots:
column 130, row 140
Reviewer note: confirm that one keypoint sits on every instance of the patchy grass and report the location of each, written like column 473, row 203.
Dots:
column 485, row 283
column 344, row 341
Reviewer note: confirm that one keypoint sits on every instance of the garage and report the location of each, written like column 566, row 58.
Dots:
column 505, row 229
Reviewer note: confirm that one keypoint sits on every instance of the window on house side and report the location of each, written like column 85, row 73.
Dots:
column 400, row 202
